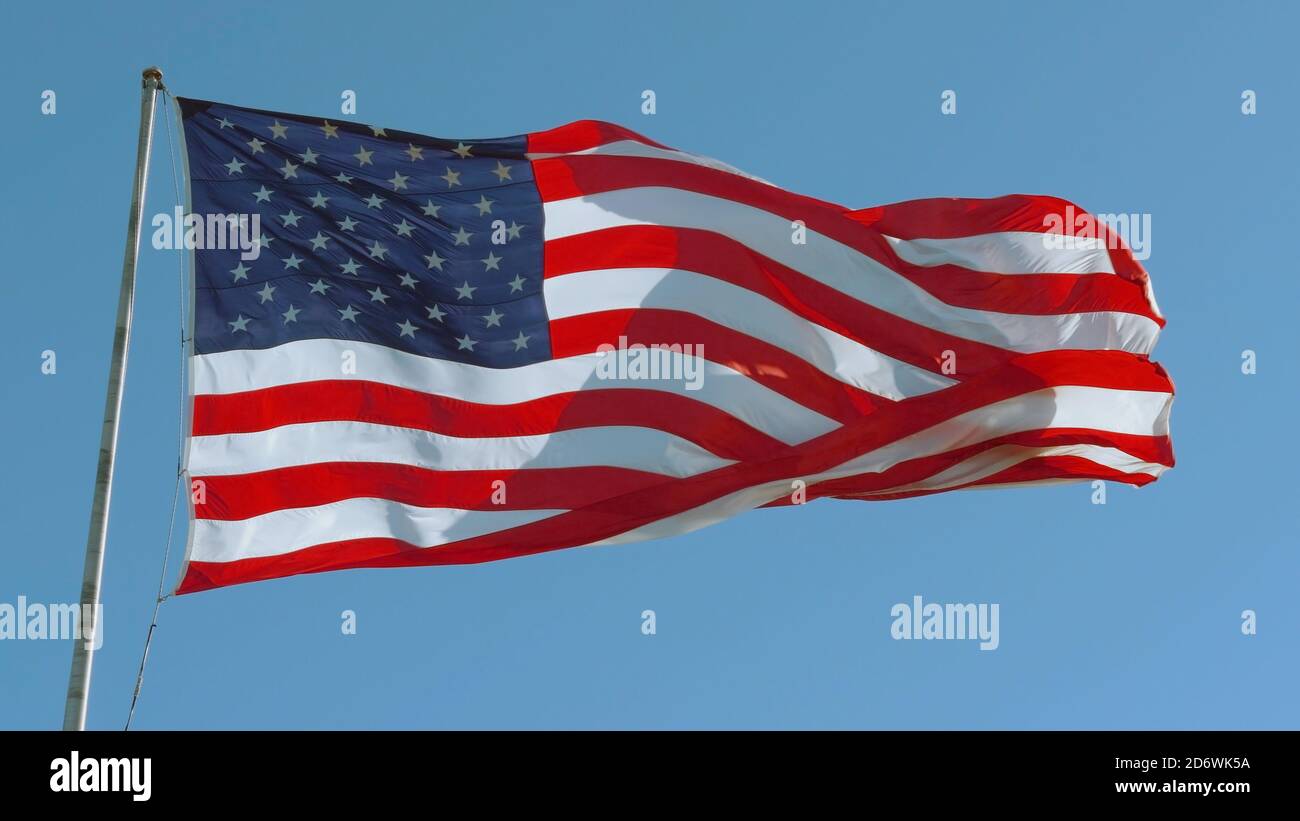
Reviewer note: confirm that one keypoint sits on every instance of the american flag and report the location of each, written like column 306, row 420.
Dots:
column 415, row 368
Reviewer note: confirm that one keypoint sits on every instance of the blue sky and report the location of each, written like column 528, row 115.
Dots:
column 1125, row 615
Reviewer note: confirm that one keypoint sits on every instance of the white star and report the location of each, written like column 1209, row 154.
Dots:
column 452, row 178
column 377, row 251
column 320, row 286
column 363, row 156
column 378, row 132
column 224, row 123
column 347, row 223
column 374, row 201
column 289, row 170
column 349, row 313
column 416, row 152
column 235, row 166
column 277, row 131
column 502, row 171
column 318, row 241
column 241, row 272
column 291, row 315
column 408, row 281
column 484, row 205
column 434, row 260
column 494, row 319
column 331, row 131
column 516, row 284
column 309, row 157
column 430, row 209
column 492, row 262
column 403, row 228
column 240, row 324
column 465, row 343
column 319, row 200
column 435, row 312
column 462, row 236
column 267, row 290
column 513, row 231
column 466, row 291
column 292, row 261
column 462, row 150
column 350, row 267
column 264, row 241
column 344, row 178
column 398, row 181
column 256, row 145
column 378, row 296
column 291, row 218
column 407, row 328
column 521, row 341
column 263, row 194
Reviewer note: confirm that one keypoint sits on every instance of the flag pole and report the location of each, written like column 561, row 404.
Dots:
column 74, row 711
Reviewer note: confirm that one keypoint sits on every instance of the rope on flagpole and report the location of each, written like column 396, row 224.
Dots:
column 180, row 448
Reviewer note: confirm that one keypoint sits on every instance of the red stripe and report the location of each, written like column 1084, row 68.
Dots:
column 1041, row 468
column 1156, row 449
column 951, row 217
column 582, row 135
column 254, row 494
column 1036, row 469
column 627, row 511
column 704, row 252
column 361, row 401
column 780, row 370
column 525, row 540
column 1033, row 294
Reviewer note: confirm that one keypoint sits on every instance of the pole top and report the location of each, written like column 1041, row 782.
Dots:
column 154, row 74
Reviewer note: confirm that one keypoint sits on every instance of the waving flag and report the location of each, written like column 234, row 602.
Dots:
column 445, row 350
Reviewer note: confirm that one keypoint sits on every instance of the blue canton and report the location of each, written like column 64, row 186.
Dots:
column 424, row 245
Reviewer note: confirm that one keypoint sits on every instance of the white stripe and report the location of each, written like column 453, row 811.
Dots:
column 997, row 459
column 1007, row 252
column 728, row 506
column 1010, row 252
column 1141, row 413
column 742, row 310
column 707, row 514
column 846, row 269
column 1138, row 412
column 284, row 531
column 625, row 447
column 312, row 360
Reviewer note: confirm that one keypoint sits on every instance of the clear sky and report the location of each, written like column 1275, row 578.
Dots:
column 1125, row 615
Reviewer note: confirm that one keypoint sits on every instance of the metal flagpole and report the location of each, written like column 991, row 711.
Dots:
column 74, row 712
